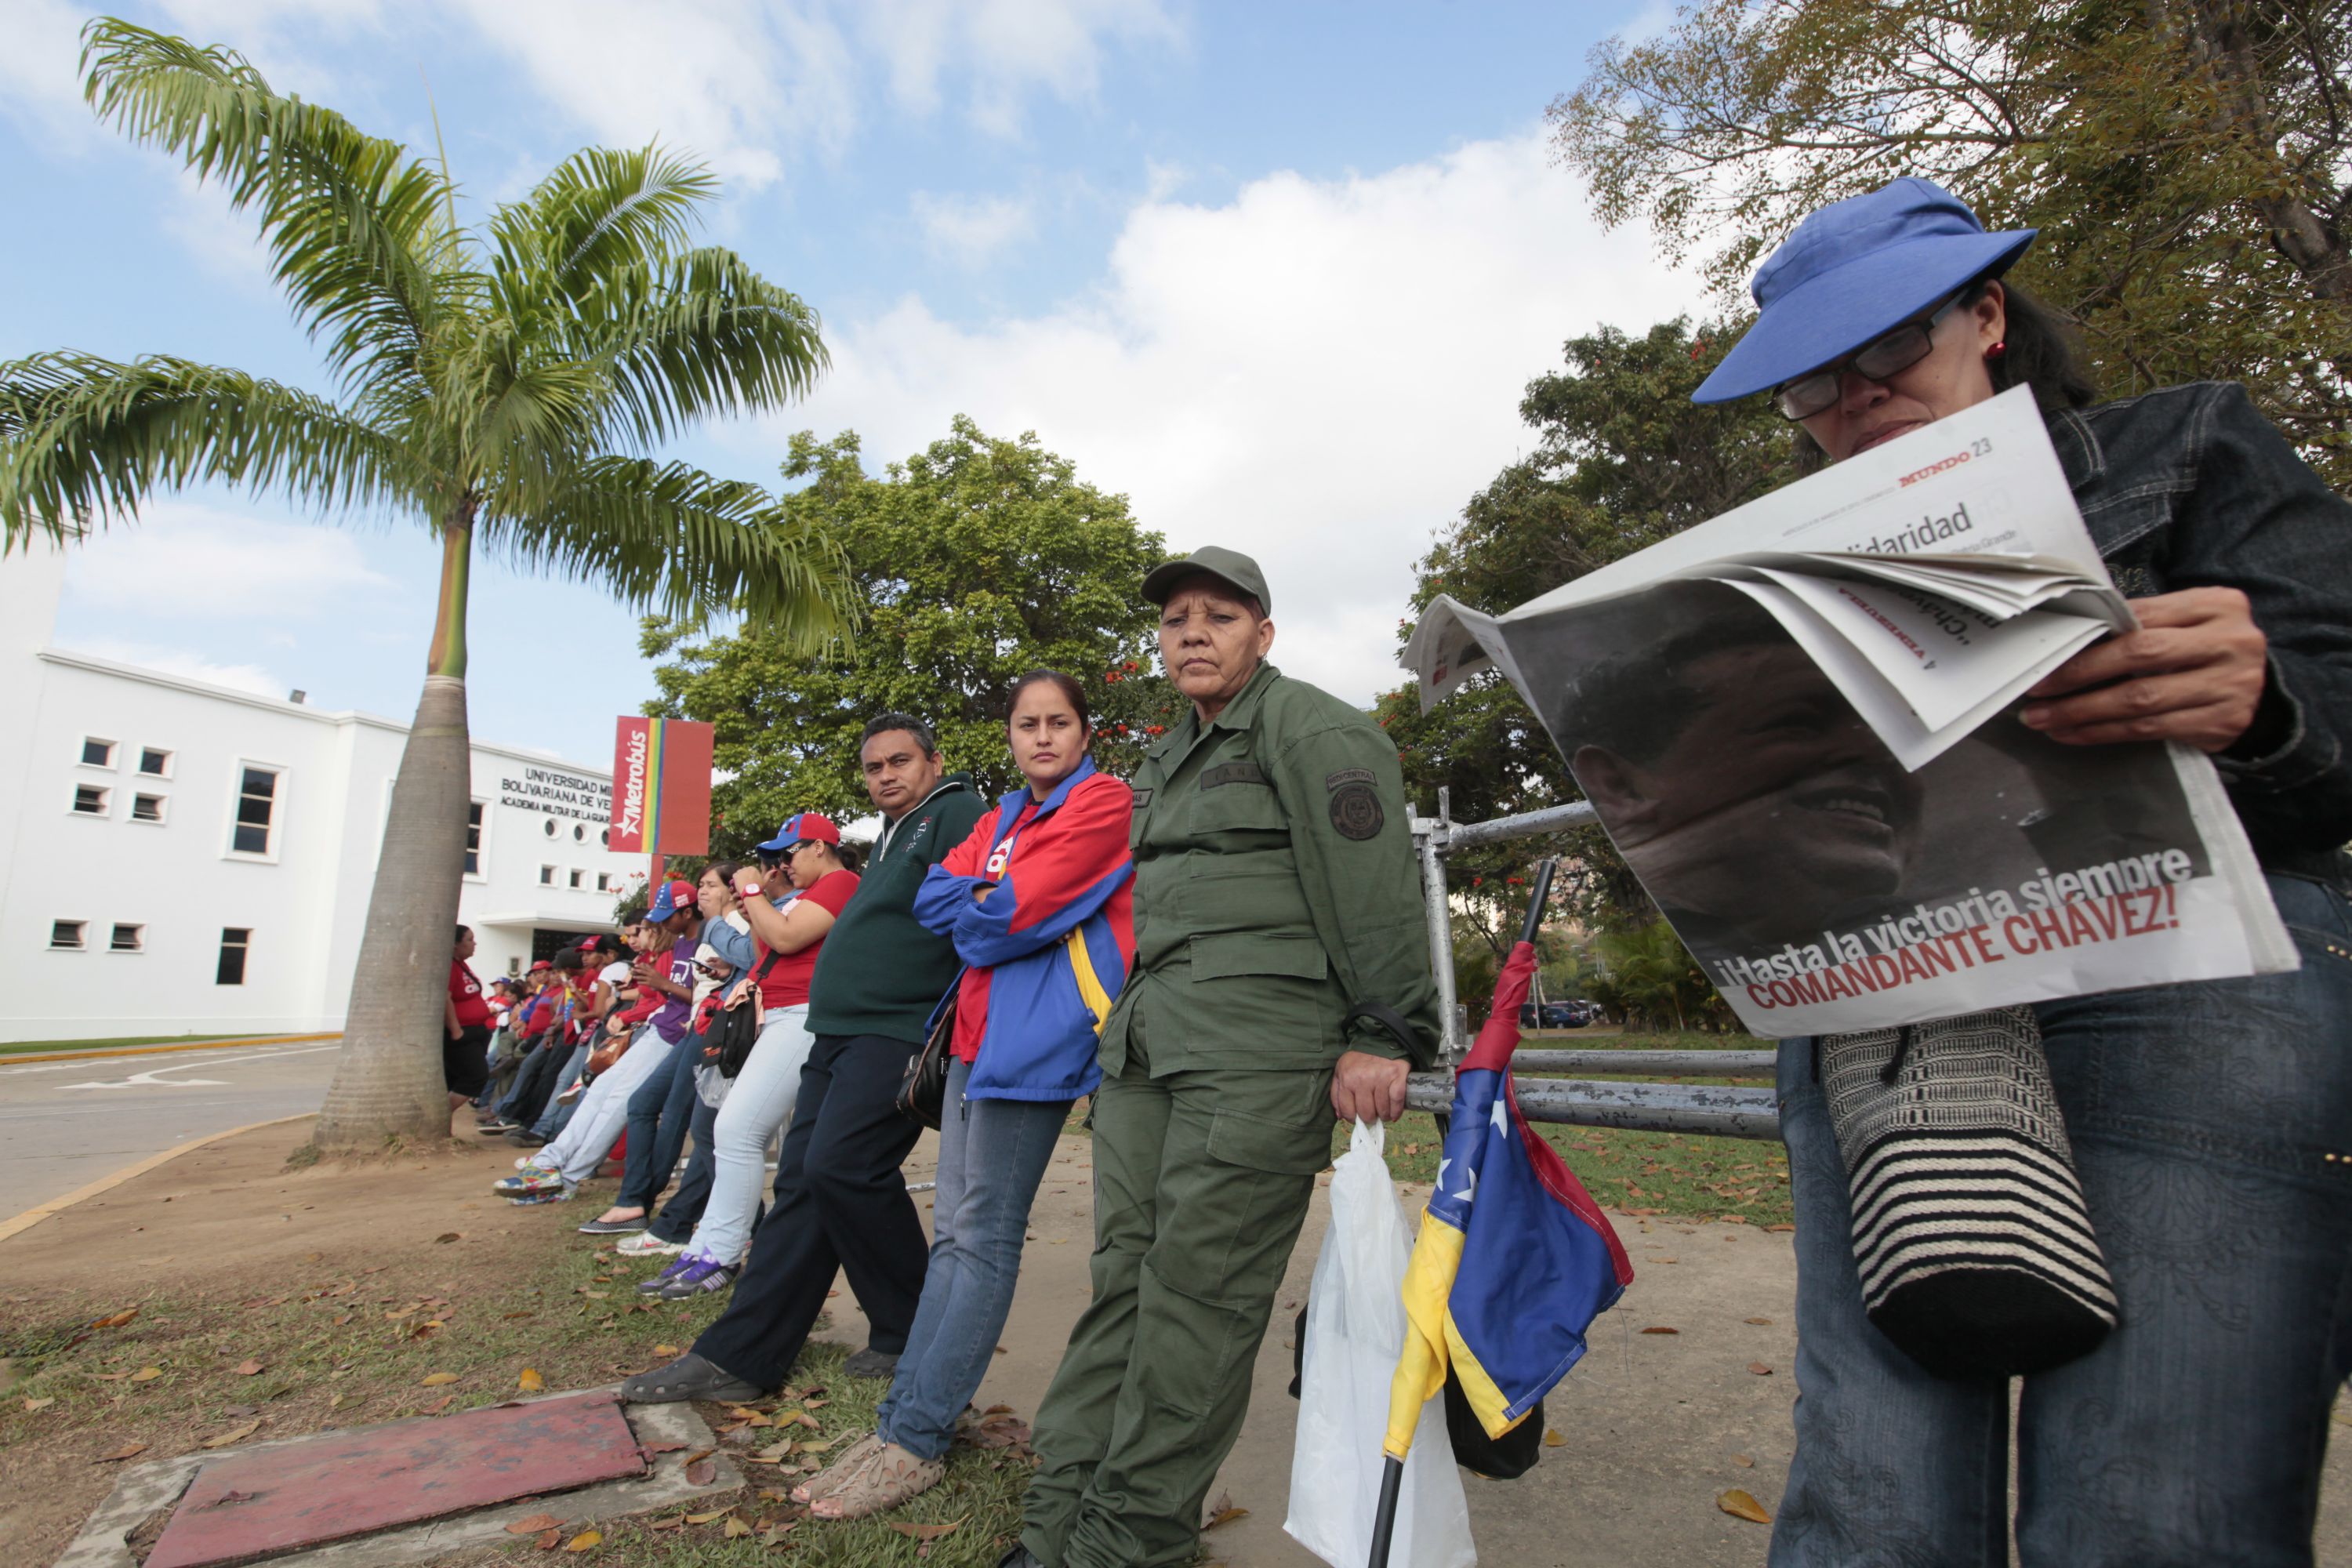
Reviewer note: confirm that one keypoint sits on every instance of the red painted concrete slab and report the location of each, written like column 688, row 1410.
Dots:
column 252, row 1505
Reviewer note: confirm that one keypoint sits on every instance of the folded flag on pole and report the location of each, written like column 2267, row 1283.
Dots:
column 1515, row 1259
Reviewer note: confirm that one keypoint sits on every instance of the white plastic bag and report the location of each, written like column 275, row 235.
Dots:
column 1355, row 1331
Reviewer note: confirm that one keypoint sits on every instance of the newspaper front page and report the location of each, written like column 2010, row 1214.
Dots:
column 1811, row 758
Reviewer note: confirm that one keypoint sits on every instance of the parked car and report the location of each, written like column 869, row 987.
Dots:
column 1553, row 1016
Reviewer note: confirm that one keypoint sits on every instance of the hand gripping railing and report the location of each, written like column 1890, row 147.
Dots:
column 1717, row 1109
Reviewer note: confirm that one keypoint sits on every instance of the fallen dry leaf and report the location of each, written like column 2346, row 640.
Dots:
column 534, row 1524
column 1660, row 1330
column 1759, row 1369
column 234, row 1434
column 531, row 1382
column 1743, row 1461
column 448, row 1235
column 147, row 1374
column 666, row 1350
column 116, row 1320
column 1760, row 1322
column 439, row 1404
column 706, row 1518
column 1553, row 1439
column 736, row 1527
column 1780, row 1227
column 933, row 1531
column 41, row 1404
column 549, row 1539
column 124, row 1452
column 701, row 1472
column 584, row 1539
column 1738, row 1504
column 1222, row 1511
column 439, row 1379
column 248, row 1368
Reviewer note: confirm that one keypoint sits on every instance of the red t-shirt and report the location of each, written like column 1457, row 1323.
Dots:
column 465, row 997
column 787, row 985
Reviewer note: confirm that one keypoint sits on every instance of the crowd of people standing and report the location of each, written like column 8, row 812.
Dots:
column 1228, row 951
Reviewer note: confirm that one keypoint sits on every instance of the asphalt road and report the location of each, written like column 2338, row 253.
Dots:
column 63, row 1125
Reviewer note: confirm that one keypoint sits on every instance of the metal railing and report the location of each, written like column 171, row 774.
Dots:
column 1722, row 1110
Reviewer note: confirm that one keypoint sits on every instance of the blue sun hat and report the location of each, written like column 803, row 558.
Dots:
column 1855, row 270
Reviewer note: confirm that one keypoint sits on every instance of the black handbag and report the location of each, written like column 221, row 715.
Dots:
column 736, row 1030
column 923, row 1091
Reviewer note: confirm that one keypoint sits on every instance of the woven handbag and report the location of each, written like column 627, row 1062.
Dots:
column 1970, row 1232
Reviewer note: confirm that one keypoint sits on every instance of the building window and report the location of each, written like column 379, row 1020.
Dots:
column 96, row 753
column 474, row 839
column 578, row 876
column 90, row 800
column 146, row 808
column 65, row 936
column 605, row 837
column 604, row 881
column 155, row 763
column 551, row 827
column 547, row 876
column 128, row 939
column 579, row 832
column 234, row 940
column 257, row 815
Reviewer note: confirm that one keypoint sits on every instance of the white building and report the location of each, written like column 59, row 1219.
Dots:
column 180, row 858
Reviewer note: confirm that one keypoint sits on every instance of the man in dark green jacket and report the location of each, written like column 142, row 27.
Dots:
column 840, row 1202
column 1276, row 890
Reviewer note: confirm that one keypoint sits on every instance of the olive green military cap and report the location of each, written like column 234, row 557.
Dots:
column 1216, row 560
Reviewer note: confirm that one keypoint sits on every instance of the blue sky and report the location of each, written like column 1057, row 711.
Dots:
column 1276, row 272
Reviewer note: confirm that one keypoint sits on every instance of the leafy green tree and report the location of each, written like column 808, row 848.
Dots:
column 502, row 386
column 2188, row 162
column 973, row 562
column 1622, row 459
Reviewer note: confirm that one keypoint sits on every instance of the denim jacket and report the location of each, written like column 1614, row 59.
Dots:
column 2189, row 487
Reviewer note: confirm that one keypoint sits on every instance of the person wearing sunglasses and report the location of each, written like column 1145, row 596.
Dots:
column 2208, row 1120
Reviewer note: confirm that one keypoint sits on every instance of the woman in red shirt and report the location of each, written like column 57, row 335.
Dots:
column 806, row 878
column 465, row 1027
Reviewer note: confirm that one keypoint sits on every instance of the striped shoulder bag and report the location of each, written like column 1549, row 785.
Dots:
column 1970, row 1232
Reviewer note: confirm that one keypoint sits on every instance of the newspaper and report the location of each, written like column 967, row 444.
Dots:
column 1797, row 724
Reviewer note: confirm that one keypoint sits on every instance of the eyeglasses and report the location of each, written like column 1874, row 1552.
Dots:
column 1883, row 355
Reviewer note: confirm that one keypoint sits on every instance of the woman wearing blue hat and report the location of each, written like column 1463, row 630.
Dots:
column 2211, row 1122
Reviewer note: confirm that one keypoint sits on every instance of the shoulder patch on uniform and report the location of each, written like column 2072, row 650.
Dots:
column 1348, row 776
column 1356, row 811
column 1232, row 772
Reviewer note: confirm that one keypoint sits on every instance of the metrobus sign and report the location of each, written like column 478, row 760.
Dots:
column 661, row 786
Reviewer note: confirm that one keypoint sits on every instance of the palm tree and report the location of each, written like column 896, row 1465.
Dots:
column 504, row 387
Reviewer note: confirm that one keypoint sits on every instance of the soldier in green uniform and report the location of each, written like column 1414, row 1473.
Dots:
column 1276, row 889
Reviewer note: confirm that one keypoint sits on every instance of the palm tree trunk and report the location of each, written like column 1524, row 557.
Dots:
column 388, row 1080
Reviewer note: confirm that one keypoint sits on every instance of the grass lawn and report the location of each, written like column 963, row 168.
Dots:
column 347, row 1349
column 13, row 1046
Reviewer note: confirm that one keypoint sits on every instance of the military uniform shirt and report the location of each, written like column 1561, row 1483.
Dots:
column 1275, row 885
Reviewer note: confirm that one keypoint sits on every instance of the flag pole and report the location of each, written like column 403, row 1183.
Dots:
column 1392, row 1470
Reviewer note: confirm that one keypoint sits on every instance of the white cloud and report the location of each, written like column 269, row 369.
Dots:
column 189, row 666
column 40, row 86
column 971, row 230
column 1318, row 372
column 1012, row 47
column 183, row 558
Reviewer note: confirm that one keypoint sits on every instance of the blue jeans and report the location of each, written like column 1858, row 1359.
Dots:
column 2213, row 1126
column 678, row 1217
column 993, row 1154
column 558, row 1115
column 659, row 1109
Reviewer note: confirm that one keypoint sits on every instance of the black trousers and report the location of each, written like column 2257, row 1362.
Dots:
column 841, row 1204
column 534, row 1083
column 466, row 1060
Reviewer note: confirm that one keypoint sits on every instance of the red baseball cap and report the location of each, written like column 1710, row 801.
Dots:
column 802, row 827
column 543, row 963
column 588, row 943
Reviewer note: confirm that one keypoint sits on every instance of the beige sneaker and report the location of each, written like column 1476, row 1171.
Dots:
column 841, row 1472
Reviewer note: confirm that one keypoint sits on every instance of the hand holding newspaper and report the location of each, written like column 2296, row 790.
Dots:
column 1796, row 722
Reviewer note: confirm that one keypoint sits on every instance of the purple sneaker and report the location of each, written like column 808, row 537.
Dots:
column 671, row 1270
column 698, row 1277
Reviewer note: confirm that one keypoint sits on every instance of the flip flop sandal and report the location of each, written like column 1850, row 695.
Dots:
column 892, row 1476
column 838, row 1474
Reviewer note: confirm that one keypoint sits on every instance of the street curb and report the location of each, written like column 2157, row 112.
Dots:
column 12, row 1058
column 33, row 1216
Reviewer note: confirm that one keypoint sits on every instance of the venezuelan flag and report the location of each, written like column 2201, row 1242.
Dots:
column 1515, row 1259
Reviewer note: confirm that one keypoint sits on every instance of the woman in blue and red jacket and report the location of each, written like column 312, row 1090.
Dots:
column 1040, row 902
